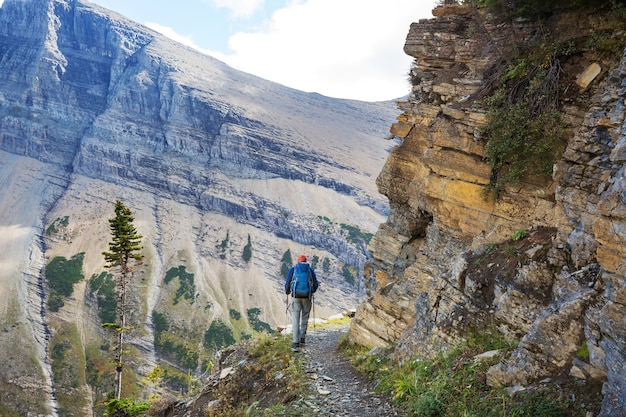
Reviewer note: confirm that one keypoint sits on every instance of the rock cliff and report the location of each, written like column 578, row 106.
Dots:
column 94, row 108
column 544, row 264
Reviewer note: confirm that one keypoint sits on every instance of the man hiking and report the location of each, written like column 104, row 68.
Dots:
column 301, row 283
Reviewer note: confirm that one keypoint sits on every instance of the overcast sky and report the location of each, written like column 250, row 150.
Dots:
column 338, row 48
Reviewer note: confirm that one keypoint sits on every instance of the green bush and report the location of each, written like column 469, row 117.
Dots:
column 524, row 131
column 221, row 247
column 326, row 265
column 103, row 287
column 186, row 284
column 234, row 314
column 125, row 407
column 255, row 322
column 286, row 263
column 355, row 235
column 62, row 274
column 247, row 251
column 218, row 336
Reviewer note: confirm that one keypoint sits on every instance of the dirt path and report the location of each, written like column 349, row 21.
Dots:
column 338, row 390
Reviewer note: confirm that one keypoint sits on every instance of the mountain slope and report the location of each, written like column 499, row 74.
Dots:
column 93, row 108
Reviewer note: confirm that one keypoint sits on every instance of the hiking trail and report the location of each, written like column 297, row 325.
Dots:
column 337, row 389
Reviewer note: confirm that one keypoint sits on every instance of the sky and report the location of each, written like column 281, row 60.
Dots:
column 339, row 48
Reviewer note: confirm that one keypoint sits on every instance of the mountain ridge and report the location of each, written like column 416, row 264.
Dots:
column 94, row 108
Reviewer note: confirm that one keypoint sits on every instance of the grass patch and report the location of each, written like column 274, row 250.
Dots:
column 454, row 383
column 270, row 380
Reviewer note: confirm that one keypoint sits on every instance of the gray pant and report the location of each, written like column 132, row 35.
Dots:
column 300, row 310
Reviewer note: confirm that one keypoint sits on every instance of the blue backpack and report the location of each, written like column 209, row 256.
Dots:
column 301, row 283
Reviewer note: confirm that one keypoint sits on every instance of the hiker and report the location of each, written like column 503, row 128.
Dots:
column 301, row 283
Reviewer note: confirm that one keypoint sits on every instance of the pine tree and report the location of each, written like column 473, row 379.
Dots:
column 123, row 248
column 247, row 250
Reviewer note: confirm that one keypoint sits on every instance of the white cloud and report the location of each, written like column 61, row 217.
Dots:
column 339, row 48
column 183, row 39
column 241, row 8
column 172, row 34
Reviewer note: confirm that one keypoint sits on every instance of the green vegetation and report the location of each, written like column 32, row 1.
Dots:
column 221, row 247
column 274, row 378
column 314, row 261
column 530, row 9
column 256, row 323
column 326, row 265
column 177, row 346
column 56, row 224
column 454, row 383
column 352, row 233
column 247, row 250
column 123, row 247
column 519, row 234
column 126, row 407
column 583, row 352
column 186, row 284
column 524, row 131
column 234, row 314
column 348, row 272
column 103, row 287
column 67, row 367
column 286, row 263
column 179, row 381
column 355, row 235
column 62, row 274
column 218, row 336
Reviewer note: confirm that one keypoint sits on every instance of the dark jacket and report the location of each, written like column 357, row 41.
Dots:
column 316, row 284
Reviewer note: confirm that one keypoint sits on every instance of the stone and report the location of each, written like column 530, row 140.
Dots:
column 588, row 75
column 224, row 373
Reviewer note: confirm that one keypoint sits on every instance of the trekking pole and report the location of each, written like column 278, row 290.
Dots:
column 313, row 306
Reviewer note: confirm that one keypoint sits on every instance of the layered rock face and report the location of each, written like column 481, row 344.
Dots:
column 94, row 108
column 545, row 264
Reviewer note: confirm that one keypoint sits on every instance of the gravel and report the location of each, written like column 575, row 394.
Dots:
column 337, row 389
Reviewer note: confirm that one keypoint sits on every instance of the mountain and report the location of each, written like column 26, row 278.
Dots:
column 211, row 161
column 540, row 261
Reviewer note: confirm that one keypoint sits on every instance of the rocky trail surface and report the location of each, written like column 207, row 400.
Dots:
column 337, row 389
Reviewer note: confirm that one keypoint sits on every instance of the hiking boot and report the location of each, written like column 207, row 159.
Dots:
column 295, row 346
column 302, row 341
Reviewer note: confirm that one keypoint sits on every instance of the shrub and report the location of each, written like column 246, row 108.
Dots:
column 247, row 251
column 186, row 285
column 255, row 322
column 62, row 274
column 285, row 263
column 103, row 287
column 218, row 336
column 234, row 314
column 524, row 132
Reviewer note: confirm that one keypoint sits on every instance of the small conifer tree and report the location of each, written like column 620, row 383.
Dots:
column 123, row 248
column 247, row 250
